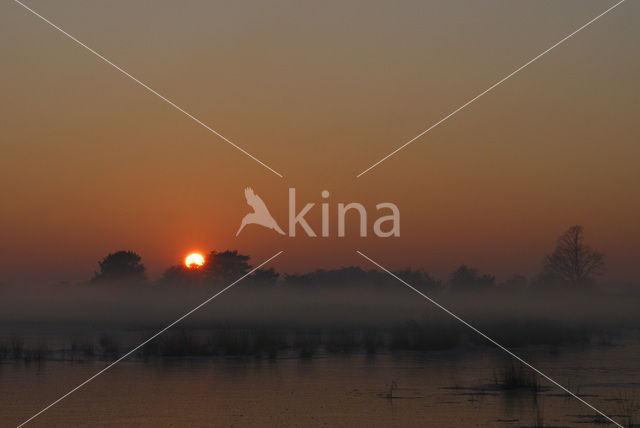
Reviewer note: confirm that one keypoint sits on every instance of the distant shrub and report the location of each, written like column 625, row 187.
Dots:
column 109, row 347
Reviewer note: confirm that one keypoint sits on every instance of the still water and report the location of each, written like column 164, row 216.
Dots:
column 448, row 389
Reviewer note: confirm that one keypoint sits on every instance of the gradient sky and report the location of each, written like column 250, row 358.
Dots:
column 92, row 163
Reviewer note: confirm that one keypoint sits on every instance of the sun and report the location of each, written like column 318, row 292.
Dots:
column 194, row 260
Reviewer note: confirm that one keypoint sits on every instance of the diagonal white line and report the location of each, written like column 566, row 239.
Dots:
column 490, row 88
column 171, row 103
column 150, row 339
column 489, row 339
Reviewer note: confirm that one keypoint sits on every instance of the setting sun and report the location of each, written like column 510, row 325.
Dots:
column 194, row 260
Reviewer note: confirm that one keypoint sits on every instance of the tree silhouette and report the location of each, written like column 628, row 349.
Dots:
column 182, row 275
column 466, row 278
column 265, row 276
column 572, row 260
column 352, row 276
column 120, row 266
column 420, row 280
column 226, row 265
column 223, row 266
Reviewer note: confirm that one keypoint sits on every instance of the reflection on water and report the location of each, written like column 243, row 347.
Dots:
column 453, row 388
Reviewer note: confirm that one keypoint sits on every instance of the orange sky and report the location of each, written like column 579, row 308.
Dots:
column 92, row 163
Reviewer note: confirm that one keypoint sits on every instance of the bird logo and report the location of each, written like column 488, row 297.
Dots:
column 260, row 214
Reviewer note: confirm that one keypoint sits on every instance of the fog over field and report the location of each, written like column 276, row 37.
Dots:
column 369, row 304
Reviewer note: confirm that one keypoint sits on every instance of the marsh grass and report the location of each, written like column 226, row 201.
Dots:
column 273, row 341
column 415, row 336
column 391, row 388
column 306, row 343
column 38, row 353
column 16, row 347
column 343, row 342
column 519, row 333
column 181, row 343
column 4, row 351
column 538, row 412
column 574, row 385
column 232, row 342
column 629, row 407
column 225, row 342
column 515, row 376
column 81, row 349
column 605, row 339
column 373, row 340
column 269, row 343
column 109, row 346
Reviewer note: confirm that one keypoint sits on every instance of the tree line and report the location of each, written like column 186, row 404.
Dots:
column 572, row 263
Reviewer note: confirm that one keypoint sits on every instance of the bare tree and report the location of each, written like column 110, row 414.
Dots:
column 573, row 260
